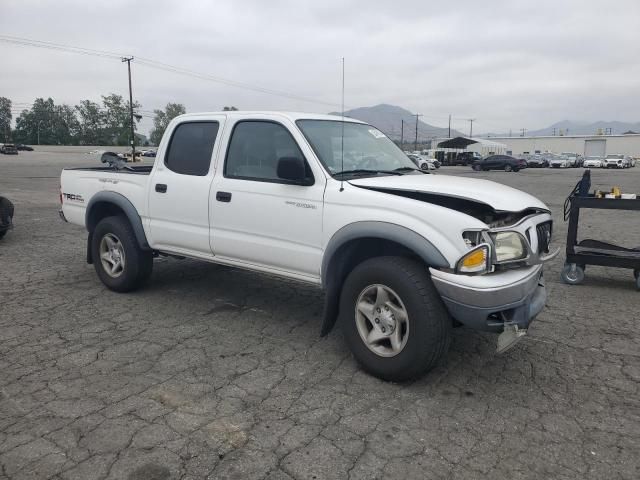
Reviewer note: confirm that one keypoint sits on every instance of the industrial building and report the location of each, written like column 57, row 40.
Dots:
column 586, row 145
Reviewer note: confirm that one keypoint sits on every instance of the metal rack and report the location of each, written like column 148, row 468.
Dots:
column 595, row 252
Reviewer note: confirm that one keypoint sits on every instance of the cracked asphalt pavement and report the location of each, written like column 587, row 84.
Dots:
column 212, row 372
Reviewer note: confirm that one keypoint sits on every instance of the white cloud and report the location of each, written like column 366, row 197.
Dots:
column 510, row 64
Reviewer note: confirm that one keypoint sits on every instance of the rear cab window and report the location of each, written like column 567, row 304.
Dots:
column 191, row 147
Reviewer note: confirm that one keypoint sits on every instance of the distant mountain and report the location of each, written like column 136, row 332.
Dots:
column 388, row 119
column 570, row 127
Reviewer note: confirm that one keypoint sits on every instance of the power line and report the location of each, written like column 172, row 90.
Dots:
column 157, row 65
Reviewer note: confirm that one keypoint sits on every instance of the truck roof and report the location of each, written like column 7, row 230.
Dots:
column 293, row 116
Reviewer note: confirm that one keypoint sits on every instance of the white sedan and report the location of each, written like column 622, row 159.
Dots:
column 421, row 162
column 594, row 162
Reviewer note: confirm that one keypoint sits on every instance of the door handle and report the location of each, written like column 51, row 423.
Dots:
column 161, row 188
column 223, row 196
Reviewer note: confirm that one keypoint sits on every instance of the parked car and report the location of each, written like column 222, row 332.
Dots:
column 560, row 161
column 537, row 161
column 9, row 149
column 6, row 216
column 499, row 162
column 593, row 162
column 148, row 153
column 398, row 252
column 466, row 158
column 22, row 146
column 574, row 159
column 617, row 160
column 420, row 162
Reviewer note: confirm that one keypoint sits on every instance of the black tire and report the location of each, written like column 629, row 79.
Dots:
column 516, row 169
column 508, row 168
column 476, row 168
column 572, row 274
column 138, row 262
column 6, row 215
column 430, row 325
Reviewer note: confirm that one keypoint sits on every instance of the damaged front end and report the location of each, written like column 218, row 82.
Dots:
column 498, row 284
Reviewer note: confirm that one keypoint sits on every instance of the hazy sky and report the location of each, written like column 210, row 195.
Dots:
column 509, row 64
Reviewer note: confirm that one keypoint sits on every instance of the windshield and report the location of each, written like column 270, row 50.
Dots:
column 616, row 157
column 365, row 147
column 592, row 158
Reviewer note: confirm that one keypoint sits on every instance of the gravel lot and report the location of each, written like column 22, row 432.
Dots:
column 211, row 372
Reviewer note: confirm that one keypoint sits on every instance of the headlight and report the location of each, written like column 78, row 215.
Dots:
column 474, row 261
column 509, row 246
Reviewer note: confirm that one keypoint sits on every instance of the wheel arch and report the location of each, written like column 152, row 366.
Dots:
column 359, row 241
column 105, row 204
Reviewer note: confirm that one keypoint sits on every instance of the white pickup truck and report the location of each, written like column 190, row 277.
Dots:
column 403, row 255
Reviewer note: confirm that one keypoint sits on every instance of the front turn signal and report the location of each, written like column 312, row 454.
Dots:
column 474, row 261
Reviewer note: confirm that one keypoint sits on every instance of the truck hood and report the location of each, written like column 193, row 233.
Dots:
column 498, row 196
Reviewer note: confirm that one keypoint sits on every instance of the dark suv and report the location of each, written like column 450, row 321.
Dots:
column 500, row 162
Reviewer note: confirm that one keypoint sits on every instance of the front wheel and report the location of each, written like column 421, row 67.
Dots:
column 119, row 261
column 393, row 319
column 508, row 168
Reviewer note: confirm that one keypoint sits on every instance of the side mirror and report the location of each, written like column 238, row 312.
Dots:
column 293, row 169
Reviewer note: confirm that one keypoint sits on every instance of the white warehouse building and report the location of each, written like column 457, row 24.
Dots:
column 586, row 145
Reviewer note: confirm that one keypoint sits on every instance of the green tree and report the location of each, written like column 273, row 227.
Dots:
column 162, row 118
column 91, row 124
column 47, row 123
column 117, row 121
column 5, row 118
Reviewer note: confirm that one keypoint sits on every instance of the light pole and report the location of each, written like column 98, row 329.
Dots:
column 415, row 144
column 133, row 135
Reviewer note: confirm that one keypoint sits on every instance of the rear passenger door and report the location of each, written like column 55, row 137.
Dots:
column 259, row 219
column 179, row 189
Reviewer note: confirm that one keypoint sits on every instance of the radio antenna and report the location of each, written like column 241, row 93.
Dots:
column 342, row 136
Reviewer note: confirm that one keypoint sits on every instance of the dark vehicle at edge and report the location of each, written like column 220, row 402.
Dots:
column 26, row 148
column 499, row 162
column 9, row 149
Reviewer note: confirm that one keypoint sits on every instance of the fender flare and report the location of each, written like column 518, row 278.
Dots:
column 126, row 206
column 332, row 278
column 386, row 231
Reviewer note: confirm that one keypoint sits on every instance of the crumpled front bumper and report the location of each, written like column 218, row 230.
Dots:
column 489, row 302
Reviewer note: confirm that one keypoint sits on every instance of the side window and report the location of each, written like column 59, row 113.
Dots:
column 190, row 148
column 255, row 148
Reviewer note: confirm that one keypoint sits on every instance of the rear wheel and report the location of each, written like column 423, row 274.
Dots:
column 476, row 168
column 119, row 262
column 393, row 319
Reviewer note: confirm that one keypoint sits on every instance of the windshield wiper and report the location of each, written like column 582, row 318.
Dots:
column 409, row 169
column 364, row 171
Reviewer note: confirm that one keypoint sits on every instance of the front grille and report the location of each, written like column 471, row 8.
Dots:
column 543, row 231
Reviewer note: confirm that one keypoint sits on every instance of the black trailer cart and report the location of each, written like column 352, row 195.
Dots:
column 595, row 252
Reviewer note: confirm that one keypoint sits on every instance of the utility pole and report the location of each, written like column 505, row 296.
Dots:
column 523, row 130
column 449, row 125
column 402, row 136
column 471, row 120
column 415, row 145
column 133, row 135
